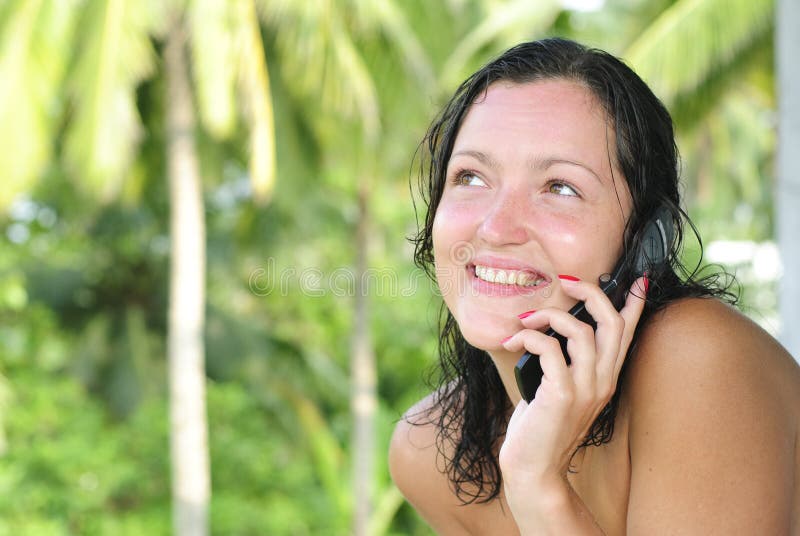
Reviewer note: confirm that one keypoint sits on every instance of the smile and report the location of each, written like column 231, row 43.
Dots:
column 508, row 277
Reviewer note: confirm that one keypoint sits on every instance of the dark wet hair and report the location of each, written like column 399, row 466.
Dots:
column 471, row 406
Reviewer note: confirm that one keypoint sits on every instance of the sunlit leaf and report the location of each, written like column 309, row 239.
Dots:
column 389, row 502
column 213, row 60
column 693, row 39
column 531, row 17
column 325, row 65
column 386, row 15
column 326, row 452
column 115, row 55
column 34, row 44
column 257, row 102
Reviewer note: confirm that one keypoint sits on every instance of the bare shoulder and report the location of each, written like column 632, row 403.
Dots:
column 705, row 340
column 714, row 404
column 416, row 467
column 413, row 445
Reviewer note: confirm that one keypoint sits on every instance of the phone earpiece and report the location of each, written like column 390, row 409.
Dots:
column 655, row 242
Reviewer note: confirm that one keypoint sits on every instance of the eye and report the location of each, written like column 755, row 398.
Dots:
column 467, row 178
column 561, row 188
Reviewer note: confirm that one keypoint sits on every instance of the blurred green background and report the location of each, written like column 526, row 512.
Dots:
column 308, row 115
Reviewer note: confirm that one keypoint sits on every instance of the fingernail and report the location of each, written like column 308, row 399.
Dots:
column 568, row 277
column 646, row 283
column 506, row 339
column 526, row 314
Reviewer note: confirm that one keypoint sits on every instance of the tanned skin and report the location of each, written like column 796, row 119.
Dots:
column 705, row 442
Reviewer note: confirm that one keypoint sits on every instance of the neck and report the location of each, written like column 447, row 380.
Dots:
column 505, row 362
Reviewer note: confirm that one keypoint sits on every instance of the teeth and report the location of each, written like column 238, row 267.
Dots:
column 507, row 277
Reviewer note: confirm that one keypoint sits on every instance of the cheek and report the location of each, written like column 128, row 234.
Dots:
column 451, row 235
column 560, row 230
column 581, row 246
column 439, row 237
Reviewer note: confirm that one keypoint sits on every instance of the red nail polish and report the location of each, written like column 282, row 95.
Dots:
column 526, row 314
column 646, row 283
column 506, row 339
column 568, row 277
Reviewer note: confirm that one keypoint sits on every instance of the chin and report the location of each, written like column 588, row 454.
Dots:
column 490, row 347
column 487, row 333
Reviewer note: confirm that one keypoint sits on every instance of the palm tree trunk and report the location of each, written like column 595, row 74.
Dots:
column 787, row 48
column 363, row 373
column 188, row 427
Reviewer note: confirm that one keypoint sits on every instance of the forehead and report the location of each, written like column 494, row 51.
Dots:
column 543, row 116
column 568, row 97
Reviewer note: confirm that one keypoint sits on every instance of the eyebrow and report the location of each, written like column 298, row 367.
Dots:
column 538, row 163
column 544, row 163
column 482, row 157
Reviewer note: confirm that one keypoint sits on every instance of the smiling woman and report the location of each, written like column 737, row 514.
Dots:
column 545, row 169
column 541, row 194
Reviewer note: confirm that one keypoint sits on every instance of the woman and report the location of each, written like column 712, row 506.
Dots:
column 676, row 415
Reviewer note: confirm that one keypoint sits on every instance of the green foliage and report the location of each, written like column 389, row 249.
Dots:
column 72, row 469
column 68, row 468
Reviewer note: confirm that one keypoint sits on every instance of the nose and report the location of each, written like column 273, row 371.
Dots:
column 506, row 221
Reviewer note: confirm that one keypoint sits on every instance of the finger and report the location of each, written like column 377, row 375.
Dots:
column 610, row 323
column 563, row 323
column 580, row 341
column 631, row 312
column 551, row 359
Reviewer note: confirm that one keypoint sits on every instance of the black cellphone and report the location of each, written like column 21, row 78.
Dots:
column 653, row 250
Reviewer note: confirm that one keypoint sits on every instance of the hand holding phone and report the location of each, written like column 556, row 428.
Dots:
column 652, row 251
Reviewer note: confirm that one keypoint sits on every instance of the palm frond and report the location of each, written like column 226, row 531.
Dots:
column 34, row 53
column 321, row 61
column 326, row 452
column 115, row 56
column 212, row 44
column 692, row 39
column 347, row 61
column 689, row 109
column 385, row 15
column 254, row 80
column 389, row 502
column 531, row 18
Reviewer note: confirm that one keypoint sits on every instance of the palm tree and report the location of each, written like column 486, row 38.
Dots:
column 191, row 486
column 323, row 35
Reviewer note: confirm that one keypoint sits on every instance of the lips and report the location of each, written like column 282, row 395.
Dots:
column 505, row 277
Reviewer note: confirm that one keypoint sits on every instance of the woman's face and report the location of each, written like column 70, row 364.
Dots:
column 530, row 195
